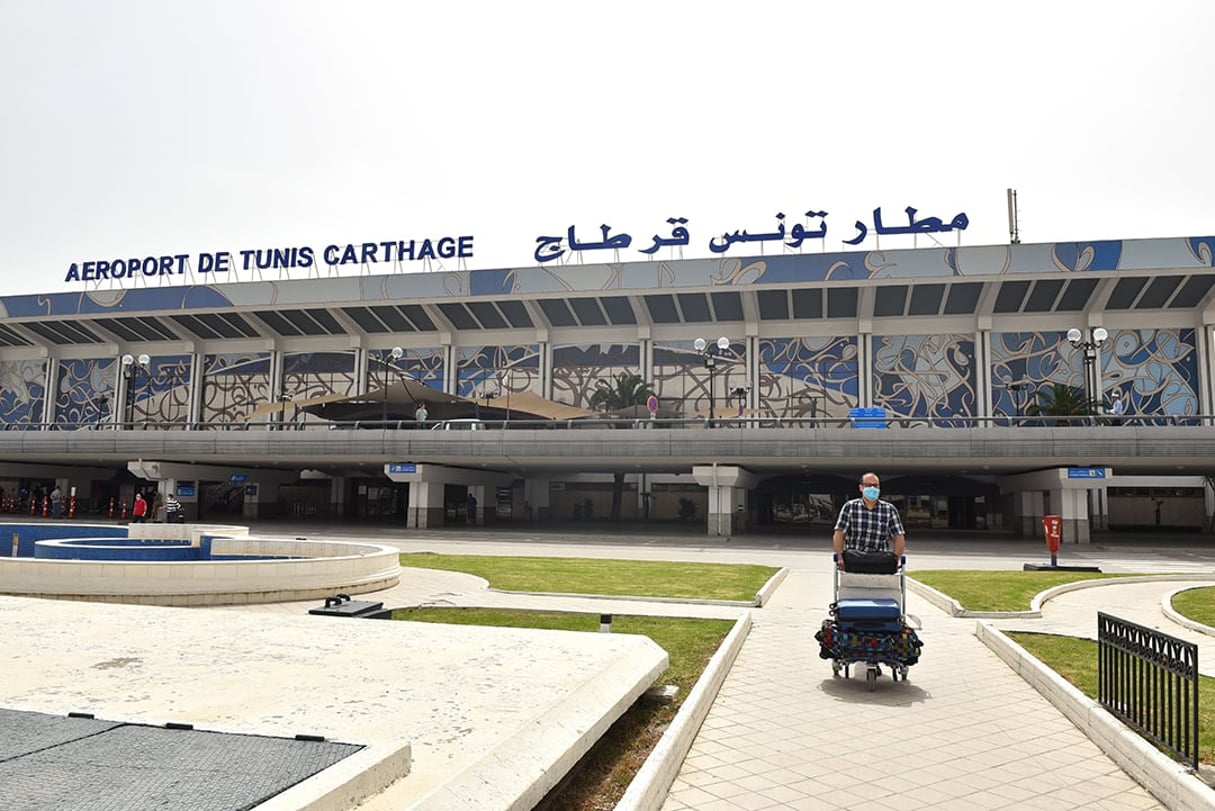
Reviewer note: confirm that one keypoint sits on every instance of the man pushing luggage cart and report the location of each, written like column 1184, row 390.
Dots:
column 868, row 621
column 868, row 524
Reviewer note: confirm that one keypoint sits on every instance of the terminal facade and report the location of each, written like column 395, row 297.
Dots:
column 247, row 399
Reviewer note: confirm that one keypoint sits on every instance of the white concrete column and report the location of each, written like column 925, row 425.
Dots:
column 536, row 498
column 727, row 490
column 252, row 499
column 1074, row 511
column 337, row 495
column 1208, row 500
column 1099, row 511
column 425, row 504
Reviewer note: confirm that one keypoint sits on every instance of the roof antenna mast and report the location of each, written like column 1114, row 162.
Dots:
column 1014, row 231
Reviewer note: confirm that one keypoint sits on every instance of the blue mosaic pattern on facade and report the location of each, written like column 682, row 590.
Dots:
column 926, row 376
column 233, row 385
column 808, row 377
column 484, row 370
column 22, row 391
column 1156, row 368
column 424, row 365
column 85, row 391
column 161, row 394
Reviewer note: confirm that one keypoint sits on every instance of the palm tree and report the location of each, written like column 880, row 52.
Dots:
column 627, row 391
column 1061, row 400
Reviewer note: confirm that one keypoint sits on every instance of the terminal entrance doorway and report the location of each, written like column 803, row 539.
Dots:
column 812, row 502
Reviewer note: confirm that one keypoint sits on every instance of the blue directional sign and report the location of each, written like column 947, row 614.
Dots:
column 402, row 467
column 237, row 478
column 1086, row 473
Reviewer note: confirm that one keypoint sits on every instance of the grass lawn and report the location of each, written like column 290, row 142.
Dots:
column 605, row 773
column 1197, row 604
column 1076, row 661
column 633, row 578
column 998, row 590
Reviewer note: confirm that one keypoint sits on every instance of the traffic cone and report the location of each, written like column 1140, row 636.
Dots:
column 111, row 506
column 33, row 505
column 46, row 506
column 72, row 508
column 124, row 509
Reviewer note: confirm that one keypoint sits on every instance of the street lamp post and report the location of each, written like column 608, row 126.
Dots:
column 131, row 368
column 710, row 354
column 1092, row 372
column 485, row 395
column 396, row 353
column 1015, row 387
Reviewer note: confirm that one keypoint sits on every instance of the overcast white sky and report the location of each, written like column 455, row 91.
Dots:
column 138, row 127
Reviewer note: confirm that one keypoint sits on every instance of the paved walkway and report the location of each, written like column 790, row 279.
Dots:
column 965, row 732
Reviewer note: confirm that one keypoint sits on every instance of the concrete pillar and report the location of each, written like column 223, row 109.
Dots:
column 644, row 494
column 1208, row 500
column 536, row 498
column 727, row 490
column 1029, row 507
column 742, row 509
column 721, row 509
column 1099, row 511
column 425, row 504
column 252, row 501
column 337, row 495
column 1074, row 511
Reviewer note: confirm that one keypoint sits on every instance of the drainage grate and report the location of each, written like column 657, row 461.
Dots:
column 52, row 763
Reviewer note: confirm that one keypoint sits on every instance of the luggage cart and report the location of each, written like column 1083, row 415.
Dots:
column 869, row 625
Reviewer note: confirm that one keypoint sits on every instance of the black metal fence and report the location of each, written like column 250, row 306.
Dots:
column 1150, row 681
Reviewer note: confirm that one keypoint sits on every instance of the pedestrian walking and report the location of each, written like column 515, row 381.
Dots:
column 173, row 513
column 139, row 510
column 1117, row 408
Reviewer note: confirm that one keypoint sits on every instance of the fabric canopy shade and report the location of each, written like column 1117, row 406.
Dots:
column 401, row 399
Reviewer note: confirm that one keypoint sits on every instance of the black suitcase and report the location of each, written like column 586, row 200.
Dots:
column 870, row 562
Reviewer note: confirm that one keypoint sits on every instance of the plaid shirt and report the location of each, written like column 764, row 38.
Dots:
column 869, row 530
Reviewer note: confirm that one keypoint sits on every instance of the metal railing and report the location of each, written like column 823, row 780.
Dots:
column 719, row 423
column 1150, row 681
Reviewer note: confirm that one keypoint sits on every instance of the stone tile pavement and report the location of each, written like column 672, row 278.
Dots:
column 964, row 733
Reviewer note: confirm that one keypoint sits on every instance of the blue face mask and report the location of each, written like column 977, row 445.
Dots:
column 871, row 493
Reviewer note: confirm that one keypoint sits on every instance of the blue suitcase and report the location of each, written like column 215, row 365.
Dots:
column 869, row 615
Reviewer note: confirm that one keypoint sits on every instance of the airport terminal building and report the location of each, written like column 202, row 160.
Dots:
column 776, row 381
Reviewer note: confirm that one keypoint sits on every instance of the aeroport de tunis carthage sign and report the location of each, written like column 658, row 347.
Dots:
column 396, row 252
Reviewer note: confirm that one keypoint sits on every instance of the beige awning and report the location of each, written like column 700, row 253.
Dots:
column 528, row 403
column 405, row 393
column 401, row 399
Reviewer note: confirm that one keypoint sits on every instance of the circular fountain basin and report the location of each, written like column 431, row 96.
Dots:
column 189, row 564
